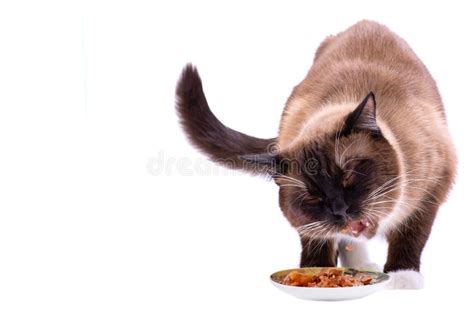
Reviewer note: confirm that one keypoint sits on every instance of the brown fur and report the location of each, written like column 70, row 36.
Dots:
column 206, row 132
column 369, row 57
column 408, row 144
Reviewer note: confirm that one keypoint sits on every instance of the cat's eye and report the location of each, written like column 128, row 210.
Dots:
column 348, row 179
column 315, row 200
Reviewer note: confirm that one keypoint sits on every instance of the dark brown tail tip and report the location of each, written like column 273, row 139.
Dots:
column 189, row 84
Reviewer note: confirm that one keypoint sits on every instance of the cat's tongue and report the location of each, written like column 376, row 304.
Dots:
column 357, row 227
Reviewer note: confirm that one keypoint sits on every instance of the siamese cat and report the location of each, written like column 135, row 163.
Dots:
column 363, row 149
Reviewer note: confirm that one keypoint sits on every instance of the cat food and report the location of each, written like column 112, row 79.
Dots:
column 332, row 277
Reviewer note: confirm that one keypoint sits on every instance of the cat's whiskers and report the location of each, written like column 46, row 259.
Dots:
column 310, row 226
column 293, row 185
column 282, row 176
column 389, row 183
column 360, row 173
column 337, row 141
column 341, row 158
column 425, row 191
column 391, row 180
column 291, row 182
column 350, row 160
column 407, row 183
column 372, row 208
column 319, row 236
column 383, row 186
column 313, row 229
column 410, row 203
column 302, row 199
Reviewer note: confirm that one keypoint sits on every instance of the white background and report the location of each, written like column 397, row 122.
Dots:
column 105, row 208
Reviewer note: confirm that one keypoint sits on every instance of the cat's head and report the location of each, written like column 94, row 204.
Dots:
column 342, row 181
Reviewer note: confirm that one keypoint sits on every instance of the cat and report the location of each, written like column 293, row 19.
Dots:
column 363, row 149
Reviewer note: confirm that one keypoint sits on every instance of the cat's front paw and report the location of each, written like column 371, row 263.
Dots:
column 405, row 280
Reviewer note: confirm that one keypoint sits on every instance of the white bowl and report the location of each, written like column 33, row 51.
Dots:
column 379, row 281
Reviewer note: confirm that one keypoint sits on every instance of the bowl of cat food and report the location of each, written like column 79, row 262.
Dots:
column 329, row 284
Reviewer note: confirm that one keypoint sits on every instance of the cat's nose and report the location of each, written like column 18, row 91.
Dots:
column 339, row 207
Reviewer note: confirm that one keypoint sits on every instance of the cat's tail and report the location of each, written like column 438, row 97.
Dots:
column 222, row 144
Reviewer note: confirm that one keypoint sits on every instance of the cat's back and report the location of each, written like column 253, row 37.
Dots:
column 368, row 41
column 369, row 56
column 366, row 57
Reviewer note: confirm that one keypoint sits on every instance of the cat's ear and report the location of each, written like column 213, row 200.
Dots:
column 267, row 162
column 363, row 118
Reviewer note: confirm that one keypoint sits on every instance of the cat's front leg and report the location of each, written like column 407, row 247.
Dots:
column 318, row 253
column 357, row 257
column 406, row 243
